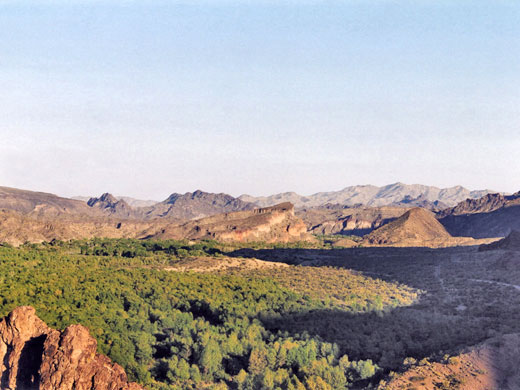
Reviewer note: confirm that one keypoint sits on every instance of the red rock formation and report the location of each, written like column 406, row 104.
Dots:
column 34, row 356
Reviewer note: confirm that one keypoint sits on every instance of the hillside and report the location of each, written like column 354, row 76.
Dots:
column 485, row 204
column 491, row 365
column 416, row 227
column 369, row 195
column 42, row 204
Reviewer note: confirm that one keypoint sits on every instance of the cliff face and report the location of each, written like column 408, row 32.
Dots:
column 34, row 356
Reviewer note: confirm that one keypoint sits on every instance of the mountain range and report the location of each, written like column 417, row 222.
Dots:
column 369, row 195
column 38, row 216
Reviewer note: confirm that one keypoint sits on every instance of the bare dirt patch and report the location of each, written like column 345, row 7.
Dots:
column 212, row 264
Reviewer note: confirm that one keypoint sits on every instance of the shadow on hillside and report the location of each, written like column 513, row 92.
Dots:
column 429, row 327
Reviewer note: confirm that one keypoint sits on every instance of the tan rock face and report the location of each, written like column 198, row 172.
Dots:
column 34, row 356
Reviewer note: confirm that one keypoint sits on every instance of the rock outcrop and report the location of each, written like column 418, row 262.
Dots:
column 34, row 356
column 269, row 224
column 338, row 219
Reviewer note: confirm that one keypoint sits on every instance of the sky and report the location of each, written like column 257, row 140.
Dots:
column 147, row 98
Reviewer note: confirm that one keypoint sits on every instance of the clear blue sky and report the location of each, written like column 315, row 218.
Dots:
column 146, row 98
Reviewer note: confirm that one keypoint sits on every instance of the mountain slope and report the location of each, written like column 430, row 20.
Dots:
column 493, row 215
column 370, row 195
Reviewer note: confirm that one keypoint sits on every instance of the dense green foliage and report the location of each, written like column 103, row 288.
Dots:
column 183, row 330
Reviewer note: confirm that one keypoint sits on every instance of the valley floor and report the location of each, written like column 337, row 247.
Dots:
column 205, row 315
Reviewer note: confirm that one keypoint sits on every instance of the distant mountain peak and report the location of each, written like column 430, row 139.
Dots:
column 107, row 199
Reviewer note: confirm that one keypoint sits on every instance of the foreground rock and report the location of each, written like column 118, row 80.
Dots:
column 35, row 356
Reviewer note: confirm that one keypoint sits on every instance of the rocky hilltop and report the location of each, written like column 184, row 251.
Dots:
column 414, row 227
column 194, row 205
column 109, row 204
column 369, row 195
column 34, row 356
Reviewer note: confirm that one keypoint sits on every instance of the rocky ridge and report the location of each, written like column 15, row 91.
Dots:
column 493, row 215
column 35, row 356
